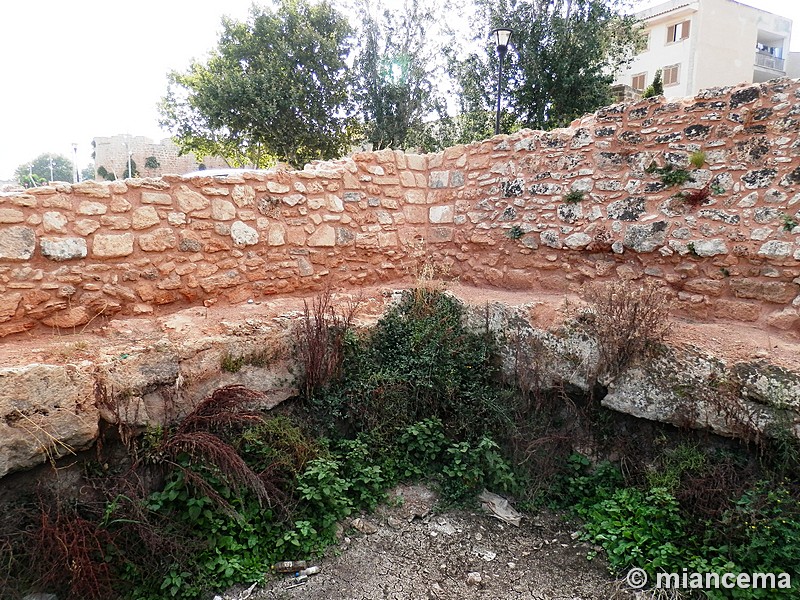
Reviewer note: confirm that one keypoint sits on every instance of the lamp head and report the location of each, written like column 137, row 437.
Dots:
column 501, row 36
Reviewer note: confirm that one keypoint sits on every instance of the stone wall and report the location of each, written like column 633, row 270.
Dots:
column 493, row 213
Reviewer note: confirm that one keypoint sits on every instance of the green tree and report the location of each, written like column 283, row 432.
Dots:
column 38, row 171
column 275, row 88
column 656, row 88
column 561, row 63
column 394, row 73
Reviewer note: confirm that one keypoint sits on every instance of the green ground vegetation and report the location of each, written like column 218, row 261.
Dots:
column 208, row 502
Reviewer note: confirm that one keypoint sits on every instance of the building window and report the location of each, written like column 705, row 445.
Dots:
column 639, row 81
column 670, row 75
column 677, row 32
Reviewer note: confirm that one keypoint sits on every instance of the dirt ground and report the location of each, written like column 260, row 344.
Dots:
column 408, row 550
column 728, row 340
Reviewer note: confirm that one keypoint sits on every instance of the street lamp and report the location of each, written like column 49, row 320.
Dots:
column 501, row 35
column 75, row 173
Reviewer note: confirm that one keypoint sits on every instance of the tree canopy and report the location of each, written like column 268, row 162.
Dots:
column 394, row 85
column 275, row 88
column 561, row 64
column 289, row 84
column 38, row 171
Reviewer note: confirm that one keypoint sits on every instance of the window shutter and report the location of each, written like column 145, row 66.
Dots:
column 684, row 30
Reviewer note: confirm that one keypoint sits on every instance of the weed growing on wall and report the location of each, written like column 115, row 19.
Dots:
column 515, row 232
column 670, row 174
column 573, row 197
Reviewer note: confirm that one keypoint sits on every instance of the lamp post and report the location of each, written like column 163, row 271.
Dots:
column 130, row 153
column 501, row 35
column 75, row 172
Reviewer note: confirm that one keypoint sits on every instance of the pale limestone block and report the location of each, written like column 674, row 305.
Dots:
column 144, row 217
column 112, row 246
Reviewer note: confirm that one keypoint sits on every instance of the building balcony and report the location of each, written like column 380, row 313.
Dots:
column 768, row 61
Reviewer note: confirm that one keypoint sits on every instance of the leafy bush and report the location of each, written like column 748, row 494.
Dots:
column 419, row 361
column 424, row 444
column 583, row 485
column 471, row 467
column 637, row 529
column 670, row 174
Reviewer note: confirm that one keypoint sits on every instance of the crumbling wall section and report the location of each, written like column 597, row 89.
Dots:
column 533, row 210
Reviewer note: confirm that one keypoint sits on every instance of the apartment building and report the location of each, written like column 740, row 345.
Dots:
column 708, row 43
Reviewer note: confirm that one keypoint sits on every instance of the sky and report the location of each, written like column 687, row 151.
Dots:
column 72, row 71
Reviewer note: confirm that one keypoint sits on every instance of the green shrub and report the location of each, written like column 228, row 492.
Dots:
column 637, row 529
column 424, row 444
column 470, row 467
column 419, row 361
column 675, row 463
column 323, row 494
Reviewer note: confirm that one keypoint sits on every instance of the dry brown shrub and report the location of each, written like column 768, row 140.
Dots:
column 198, row 437
column 73, row 554
column 319, row 341
column 629, row 322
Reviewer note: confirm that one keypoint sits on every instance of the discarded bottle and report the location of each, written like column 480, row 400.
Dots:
column 307, row 572
column 289, row 566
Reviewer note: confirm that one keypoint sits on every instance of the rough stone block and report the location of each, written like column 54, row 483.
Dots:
column 776, row 249
column 441, row 214
column 159, row 240
column 778, row 292
column 709, row 247
column 577, row 240
column 190, row 201
column 86, row 226
column 276, row 234
column 243, row 195
column 440, row 235
column 45, row 411
column 415, row 197
column 92, row 208
column 222, row 210
column 54, row 222
column 159, row 198
column 144, row 217
column 17, row 243
column 11, row 215
column 438, row 179
column 63, row 248
column 112, row 246
column 416, row 162
column 243, row 235
column 325, row 235
column 645, row 238
column 277, row 188
column 415, row 214
column 93, row 189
